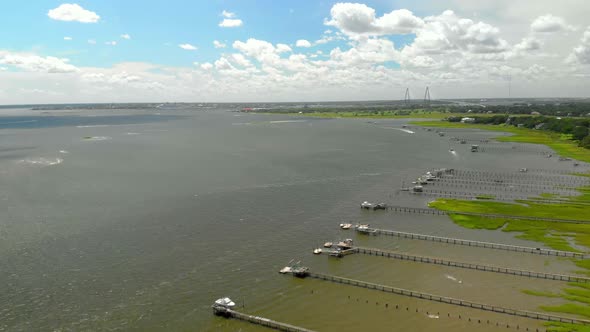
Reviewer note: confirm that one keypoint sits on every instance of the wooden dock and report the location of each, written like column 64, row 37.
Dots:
column 472, row 266
column 229, row 313
column 449, row 300
column 486, row 215
column 480, row 244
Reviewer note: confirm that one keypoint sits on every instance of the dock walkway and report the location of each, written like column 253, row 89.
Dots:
column 226, row 312
column 486, row 215
column 472, row 266
column 480, row 244
column 449, row 300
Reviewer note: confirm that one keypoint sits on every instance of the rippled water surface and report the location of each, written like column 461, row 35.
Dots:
column 139, row 221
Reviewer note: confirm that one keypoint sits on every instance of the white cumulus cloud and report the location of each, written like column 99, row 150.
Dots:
column 111, row 43
column 581, row 53
column 73, row 13
column 303, row 43
column 228, row 14
column 126, row 36
column 449, row 32
column 91, row 41
column 281, row 48
column 550, row 23
column 37, row 63
column 67, row 38
column 188, row 47
column 218, row 44
column 359, row 19
column 231, row 23
column 528, row 44
column 206, row 66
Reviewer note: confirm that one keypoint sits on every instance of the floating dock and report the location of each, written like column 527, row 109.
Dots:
column 230, row 313
column 472, row 266
column 480, row 244
column 448, row 300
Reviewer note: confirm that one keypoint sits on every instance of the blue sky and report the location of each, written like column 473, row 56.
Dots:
column 158, row 27
column 375, row 50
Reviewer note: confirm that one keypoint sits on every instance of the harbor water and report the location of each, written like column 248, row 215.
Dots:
column 139, row 219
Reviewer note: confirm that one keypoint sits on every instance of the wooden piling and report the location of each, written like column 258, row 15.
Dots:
column 480, row 267
column 449, row 300
column 229, row 313
column 480, row 244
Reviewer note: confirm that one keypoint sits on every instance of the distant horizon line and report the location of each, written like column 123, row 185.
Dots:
column 417, row 100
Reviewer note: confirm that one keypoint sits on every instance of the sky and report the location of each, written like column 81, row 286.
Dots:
column 110, row 51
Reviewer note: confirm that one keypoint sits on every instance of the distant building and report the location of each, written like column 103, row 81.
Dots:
column 467, row 120
column 535, row 113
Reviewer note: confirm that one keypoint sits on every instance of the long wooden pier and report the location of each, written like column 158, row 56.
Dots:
column 449, row 300
column 480, row 244
column 472, row 266
column 486, row 215
column 226, row 312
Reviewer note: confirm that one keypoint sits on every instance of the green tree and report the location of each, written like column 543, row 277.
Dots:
column 579, row 133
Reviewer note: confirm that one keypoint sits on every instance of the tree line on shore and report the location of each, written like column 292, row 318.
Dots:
column 577, row 129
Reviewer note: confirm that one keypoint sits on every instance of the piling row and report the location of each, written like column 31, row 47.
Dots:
column 448, row 300
column 469, row 195
column 519, row 179
column 221, row 311
column 560, row 178
column 496, row 197
column 480, row 244
column 503, row 186
column 416, row 210
column 485, row 215
column 498, row 181
column 514, row 148
column 472, row 266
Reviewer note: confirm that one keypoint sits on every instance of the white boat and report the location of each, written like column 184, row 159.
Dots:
column 225, row 302
column 317, row 251
column 364, row 228
column 328, row 244
column 361, row 226
column 345, row 226
column 346, row 244
column 286, row 269
column 366, row 205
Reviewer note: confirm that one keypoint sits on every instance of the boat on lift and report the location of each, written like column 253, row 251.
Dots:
column 225, row 302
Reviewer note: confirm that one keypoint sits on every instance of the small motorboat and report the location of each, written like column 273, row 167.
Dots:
column 366, row 205
column 225, row 302
column 345, row 226
column 328, row 244
column 286, row 269
column 346, row 244
column 364, row 228
column 317, row 251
